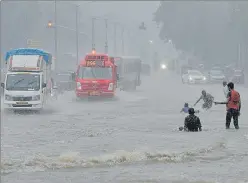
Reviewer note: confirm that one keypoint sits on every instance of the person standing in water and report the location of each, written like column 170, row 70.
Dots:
column 233, row 107
column 225, row 89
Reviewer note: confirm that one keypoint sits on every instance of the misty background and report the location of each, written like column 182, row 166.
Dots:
column 210, row 32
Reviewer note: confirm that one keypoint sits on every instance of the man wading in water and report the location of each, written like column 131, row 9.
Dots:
column 233, row 107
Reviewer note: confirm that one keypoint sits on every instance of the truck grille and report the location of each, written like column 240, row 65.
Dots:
column 22, row 98
column 28, row 105
column 94, row 87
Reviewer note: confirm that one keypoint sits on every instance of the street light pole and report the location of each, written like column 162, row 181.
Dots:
column 106, row 41
column 122, row 41
column 239, row 55
column 77, row 36
column 55, row 35
column 93, row 34
column 115, row 24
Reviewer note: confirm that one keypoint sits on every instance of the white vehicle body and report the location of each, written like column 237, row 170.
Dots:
column 216, row 76
column 193, row 77
column 25, row 85
column 19, row 94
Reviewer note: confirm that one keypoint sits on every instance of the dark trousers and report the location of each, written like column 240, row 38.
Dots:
column 193, row 129
column 232, row 113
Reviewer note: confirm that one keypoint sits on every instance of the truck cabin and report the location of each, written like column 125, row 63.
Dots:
column 25, row 66
column 128, row 65
column 96, row 66
column 23, row 81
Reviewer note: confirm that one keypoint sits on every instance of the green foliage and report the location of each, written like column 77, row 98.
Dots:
column 211, row 29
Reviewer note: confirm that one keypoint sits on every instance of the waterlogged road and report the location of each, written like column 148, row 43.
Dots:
column 131, row 139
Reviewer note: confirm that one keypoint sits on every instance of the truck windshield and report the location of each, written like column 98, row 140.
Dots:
column 95, row 73
column 23, row 82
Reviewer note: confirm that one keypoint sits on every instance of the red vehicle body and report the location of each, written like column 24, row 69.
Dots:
column 96, row 76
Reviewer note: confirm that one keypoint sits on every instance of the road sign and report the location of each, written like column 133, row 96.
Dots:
column 33, row 43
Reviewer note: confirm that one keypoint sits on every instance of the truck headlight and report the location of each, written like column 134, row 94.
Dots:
column 111, row 86
column 79, row 87
column 36, row 97
column 8, row 97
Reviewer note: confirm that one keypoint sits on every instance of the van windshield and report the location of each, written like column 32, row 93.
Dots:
column 23, row 82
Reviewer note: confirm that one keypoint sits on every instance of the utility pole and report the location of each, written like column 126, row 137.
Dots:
column 106, row 39
column 55, row 35
column 93, row 34
column 239, row 55
column 115, row 50
column 122, row 41
column 77, row 36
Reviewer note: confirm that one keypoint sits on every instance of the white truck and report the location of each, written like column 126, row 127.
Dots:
column 28, row 81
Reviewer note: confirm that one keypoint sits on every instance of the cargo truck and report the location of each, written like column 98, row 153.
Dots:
column 28, row 81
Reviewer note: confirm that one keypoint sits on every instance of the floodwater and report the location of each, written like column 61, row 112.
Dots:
column 132, row 139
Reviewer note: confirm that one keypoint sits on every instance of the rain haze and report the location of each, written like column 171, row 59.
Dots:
column 113, row 91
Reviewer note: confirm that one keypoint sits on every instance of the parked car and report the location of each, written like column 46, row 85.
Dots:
column 238, row 76
column 193, row 77
column 216, row 76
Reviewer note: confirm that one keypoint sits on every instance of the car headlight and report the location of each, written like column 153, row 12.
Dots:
column 36, row 97
column 190, row 78
column 79, row 87
column 111, row 86
column 204, row 78
column 163, row 66
column 8, row 97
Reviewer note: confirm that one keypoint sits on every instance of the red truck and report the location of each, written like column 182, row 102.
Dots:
column 96, row 76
